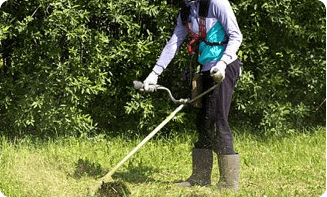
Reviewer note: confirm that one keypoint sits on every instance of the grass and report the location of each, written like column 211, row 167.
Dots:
column 294, row 165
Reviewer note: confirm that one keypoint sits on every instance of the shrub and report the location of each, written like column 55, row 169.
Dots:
column 67, row 67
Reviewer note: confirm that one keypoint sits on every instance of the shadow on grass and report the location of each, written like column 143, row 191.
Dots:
column 90, row 169
column 87, row 168
column 140, row 174
column 135, row 174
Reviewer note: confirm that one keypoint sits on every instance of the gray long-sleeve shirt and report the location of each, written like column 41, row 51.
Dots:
column 219, row 10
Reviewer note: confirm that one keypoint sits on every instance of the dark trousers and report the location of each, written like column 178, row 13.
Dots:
column 212, row 120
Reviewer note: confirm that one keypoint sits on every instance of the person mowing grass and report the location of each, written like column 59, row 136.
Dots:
column 216, row 38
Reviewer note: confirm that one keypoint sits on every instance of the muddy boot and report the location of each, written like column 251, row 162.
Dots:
column 202, row 167
column 229, row 167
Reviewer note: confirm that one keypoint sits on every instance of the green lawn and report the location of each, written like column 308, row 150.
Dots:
column 294, row 165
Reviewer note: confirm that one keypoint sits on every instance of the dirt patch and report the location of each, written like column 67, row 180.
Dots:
column 113, row 189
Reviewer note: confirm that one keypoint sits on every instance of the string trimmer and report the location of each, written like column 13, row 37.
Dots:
column 140, row 86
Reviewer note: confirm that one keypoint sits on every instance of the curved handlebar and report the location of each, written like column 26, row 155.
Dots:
column 138, row 85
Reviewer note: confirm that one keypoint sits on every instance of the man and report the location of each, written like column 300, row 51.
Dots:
column 217, row 37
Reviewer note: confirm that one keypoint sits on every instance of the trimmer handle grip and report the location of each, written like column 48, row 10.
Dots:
column 138, row 85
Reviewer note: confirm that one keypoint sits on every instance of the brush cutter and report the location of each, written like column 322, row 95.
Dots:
column 140, row 86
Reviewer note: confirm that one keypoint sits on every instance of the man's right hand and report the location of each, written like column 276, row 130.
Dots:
column 218, row 72
column 150, row 82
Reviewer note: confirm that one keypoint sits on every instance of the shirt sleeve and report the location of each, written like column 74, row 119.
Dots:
column 171, row 48
column 226, row 17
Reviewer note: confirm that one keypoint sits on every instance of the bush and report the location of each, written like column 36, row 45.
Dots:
column 283, row 52
column 67, row 66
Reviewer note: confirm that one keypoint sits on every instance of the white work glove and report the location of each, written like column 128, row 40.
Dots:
column 218, row 72
column 152, row 79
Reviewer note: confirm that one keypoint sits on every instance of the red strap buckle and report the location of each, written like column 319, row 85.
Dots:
column 192, row 46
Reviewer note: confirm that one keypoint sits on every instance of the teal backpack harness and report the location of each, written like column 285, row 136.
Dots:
column 209, row 45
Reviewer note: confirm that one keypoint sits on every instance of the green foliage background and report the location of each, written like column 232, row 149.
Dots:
column 67, row 67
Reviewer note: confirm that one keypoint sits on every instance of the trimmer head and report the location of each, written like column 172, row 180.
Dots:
column 113, row 189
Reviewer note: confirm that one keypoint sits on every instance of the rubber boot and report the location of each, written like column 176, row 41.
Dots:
column 202, row 167
column 229, row 168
